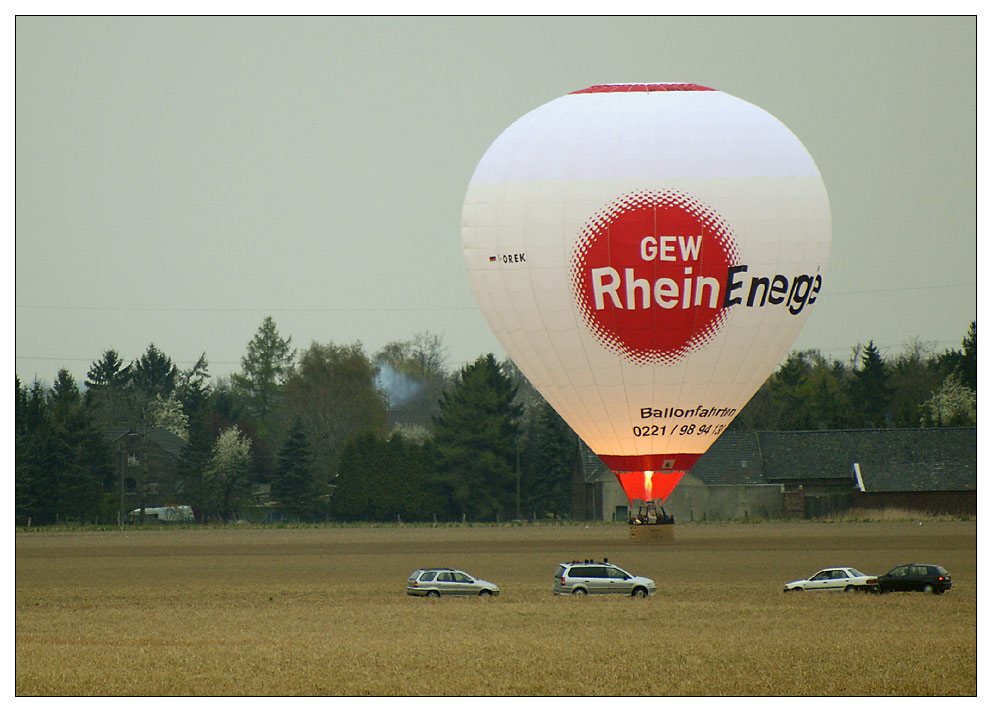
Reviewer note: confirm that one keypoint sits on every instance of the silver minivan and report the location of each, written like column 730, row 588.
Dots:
column 578, row 578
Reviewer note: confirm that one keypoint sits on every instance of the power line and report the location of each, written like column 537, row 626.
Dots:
column 899, row 289
column 52, row 307
column 245, row 309
column 177, row 362
column 91, row 360
column 821, row 349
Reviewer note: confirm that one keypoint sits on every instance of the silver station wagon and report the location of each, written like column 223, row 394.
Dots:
column 579, row 578
column 448, row 582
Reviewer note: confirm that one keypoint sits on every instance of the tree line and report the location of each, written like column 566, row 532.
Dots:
column 342, row 435
column 918, row 387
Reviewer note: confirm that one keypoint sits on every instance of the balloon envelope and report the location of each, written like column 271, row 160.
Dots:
column 646, row 254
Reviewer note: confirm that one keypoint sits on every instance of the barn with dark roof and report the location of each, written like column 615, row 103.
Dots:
column 809, row 474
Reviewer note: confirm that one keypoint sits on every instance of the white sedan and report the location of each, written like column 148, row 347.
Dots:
column 840, row 578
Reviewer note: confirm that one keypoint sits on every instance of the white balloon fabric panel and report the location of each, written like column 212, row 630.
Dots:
column 646, row 254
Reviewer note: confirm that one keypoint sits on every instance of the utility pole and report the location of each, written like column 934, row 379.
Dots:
column 518, row 479
column 120, row 506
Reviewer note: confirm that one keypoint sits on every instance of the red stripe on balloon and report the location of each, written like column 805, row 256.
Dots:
column 632, row 463
column 613, row 88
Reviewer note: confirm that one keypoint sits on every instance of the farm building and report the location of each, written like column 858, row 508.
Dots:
column 806, row 474
column 148, row 467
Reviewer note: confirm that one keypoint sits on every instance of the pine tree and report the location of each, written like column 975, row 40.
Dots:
column 62, row 463
column 295, row 486
column 264, row 368
column 786, row 389
column 355, row 484
column 39, row 476
column 550, row 460
column 871, row 394
column 476, row 436
column 109, row 371
column 109, row 397
column 382, row 479
column 23, row 471
column 194, row 464
column 86, row 466
column 969, row 365
column 192, row 389
column 65, row 396
column 964, row 363
column 154, row 373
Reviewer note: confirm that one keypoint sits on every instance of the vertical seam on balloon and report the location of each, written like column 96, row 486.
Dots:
column 567, row 244
column 579, row 323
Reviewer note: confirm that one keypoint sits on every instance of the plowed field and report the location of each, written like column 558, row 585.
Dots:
column 324, row 612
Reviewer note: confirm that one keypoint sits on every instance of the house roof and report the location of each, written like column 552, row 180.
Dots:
column 593, row 469
column 812, row 454
column 161, row 437
column 409, row 418
column 931, row 460
column 890, row 460
column 734, row 459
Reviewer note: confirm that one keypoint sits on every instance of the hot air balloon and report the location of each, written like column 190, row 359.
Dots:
column 646, row 254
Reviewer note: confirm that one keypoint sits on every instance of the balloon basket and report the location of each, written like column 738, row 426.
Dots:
column 652, row 532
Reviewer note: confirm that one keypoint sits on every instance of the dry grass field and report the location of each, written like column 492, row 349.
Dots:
column 322, row 611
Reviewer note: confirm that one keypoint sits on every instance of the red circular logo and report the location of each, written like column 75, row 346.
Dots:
column 649, row 275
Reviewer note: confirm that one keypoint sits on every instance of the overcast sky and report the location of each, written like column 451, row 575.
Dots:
column 178, row 179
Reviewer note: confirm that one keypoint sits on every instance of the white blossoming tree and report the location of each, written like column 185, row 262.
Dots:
column 954, row 404
column 168, row 413
column 227, row 474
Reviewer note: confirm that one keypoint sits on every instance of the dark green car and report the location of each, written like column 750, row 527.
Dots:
column 928, row 578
